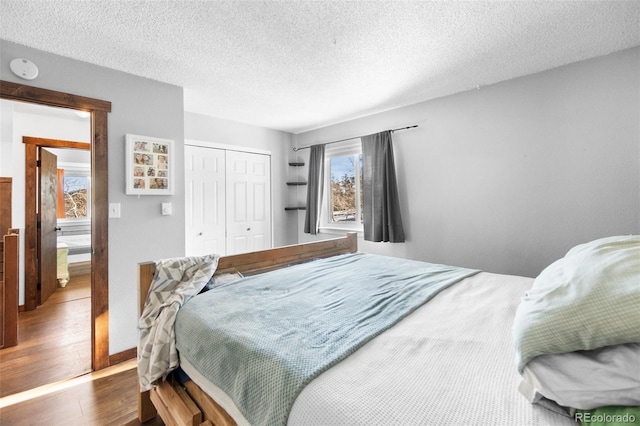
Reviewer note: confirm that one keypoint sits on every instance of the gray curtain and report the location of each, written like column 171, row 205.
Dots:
column 382, row 219
column 315, row 183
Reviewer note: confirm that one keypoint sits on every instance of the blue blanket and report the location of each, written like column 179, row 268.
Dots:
column 263, row 338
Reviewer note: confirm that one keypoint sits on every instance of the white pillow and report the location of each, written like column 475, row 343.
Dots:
column 586, row 379
column 587, row 300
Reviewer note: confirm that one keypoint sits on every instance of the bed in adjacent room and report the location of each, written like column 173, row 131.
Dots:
column 329, row 335
column 71, row 248
column 76, row 244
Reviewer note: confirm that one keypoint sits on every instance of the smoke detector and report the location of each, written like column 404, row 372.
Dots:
column 24, row 68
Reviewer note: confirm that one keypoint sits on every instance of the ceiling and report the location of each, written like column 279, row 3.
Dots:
column 299, row 65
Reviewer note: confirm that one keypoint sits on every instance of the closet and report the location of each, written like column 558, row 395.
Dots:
column 228, row 201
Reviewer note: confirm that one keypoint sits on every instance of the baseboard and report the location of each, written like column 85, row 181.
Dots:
column 79, row 268
column 123, row 356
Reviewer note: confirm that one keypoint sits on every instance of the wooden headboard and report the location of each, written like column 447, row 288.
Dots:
column 262, row 261
column 5, row 204
column 9, row 253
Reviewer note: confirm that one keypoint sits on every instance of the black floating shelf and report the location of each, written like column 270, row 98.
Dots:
column 295, row 164
column 296, row 183
column 295, row 208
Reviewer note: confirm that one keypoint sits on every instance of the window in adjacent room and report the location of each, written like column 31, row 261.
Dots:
column 75, row 190
column 343, row 186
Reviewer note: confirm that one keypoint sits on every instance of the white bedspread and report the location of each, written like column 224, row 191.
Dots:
column 449, row 362
column 82, row 240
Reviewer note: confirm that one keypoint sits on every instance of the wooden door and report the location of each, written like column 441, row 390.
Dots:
column 47, row 221
column 248, row 202
column 205, row 201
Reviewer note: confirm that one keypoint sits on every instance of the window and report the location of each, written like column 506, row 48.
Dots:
column 76, row 191
column 343, row 187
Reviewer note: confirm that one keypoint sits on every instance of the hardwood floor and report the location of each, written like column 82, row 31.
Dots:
column 54, row 340
column 46, row 379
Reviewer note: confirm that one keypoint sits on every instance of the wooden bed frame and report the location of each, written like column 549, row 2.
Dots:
column 9, row 269
column 187, row 404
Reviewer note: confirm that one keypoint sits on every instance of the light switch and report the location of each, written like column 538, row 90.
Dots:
column 166, row 209
column 114, row 210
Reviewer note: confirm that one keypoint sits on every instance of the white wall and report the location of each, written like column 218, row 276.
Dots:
column 139, row 106
column 218, row 131
column 6, row 136
column 509, row 177
column 12, row 148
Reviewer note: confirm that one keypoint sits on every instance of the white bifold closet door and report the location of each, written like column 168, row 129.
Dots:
column 205, row 201
column 228, row 201
column 248, row 186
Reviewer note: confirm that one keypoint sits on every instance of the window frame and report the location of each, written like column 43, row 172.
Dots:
column 81, row 170
column 340, row 149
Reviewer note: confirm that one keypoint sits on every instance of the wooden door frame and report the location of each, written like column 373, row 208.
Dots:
column 99, row 206
column 31, row 158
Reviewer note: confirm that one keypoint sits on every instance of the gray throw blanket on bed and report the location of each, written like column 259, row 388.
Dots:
column 175, row 281
column 263, row 338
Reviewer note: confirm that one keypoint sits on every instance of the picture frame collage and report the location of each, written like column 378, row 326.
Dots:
column 149, row 165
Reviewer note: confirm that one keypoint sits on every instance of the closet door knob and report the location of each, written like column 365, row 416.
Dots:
column 57, row 228
column 199, row 234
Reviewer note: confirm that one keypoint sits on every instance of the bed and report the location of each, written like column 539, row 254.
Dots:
column 71, row 248
column 447, row 359
column 62, row 264
column 76, row 244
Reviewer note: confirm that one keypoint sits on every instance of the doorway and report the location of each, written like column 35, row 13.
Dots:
column 41, row 201
column 54, row 340
column 98, row 110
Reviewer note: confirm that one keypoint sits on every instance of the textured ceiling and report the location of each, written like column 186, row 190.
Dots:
column 298, row 65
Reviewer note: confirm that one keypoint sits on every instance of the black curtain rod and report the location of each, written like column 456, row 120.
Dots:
column 355, row 137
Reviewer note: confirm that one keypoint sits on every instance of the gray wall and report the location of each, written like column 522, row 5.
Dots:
column 146, row 107
column 509, row 177
column 139, row 106
column 505, row 178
